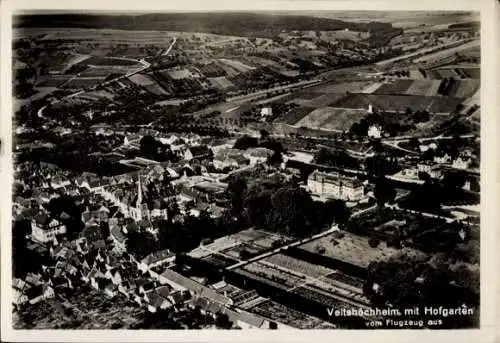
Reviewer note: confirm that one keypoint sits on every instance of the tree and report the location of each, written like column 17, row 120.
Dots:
column 384, row 191
column 141, row 243
column 236, row 190
column 453, row 180
column 222, row 321
column 148, row 145
column 245, row 143
column 373, row 242
column 338, row 211
column 264, row 134
column 291, row 211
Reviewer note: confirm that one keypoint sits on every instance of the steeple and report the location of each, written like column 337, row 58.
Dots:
column 139, row 193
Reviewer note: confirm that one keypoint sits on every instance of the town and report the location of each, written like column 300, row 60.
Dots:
column 262, row 175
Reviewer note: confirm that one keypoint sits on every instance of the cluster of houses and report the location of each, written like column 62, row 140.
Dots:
column 148, row 283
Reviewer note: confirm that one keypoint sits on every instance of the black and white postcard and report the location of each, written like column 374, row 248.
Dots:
column 279, row 166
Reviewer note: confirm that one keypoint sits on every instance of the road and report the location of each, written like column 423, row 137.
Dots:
column 170, row 47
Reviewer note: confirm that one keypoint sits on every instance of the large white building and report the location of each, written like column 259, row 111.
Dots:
column 335, row 186
column 45, row 229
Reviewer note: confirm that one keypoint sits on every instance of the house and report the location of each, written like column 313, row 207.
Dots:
column 114, row 275
column 157, row 259
column 97, row 216
column 110, row 289
column 230, row 161
column 45, row 229
column 442, row 159
column 258, row 155
column 178, row 298
column 147, row 287
column 335, row 186
column 461, row 162
column 59, row 181
column 33, row 279
column 266, row 112
column 18, row 296
column 375, row 131
column 433, row 170
column 156, row 302
column 197, row 152
column 39, row 293
column 118, row 236
column 425, row 147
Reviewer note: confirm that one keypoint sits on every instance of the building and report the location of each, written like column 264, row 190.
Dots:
column 461, row 162
column 374, row 131
column 197, row 152
column 134, row 203
column 45, row 229
column 433, row 170
column 266, row 112
column 442, row 159
column 335, row 186
column 258, row 155
column 230, row 161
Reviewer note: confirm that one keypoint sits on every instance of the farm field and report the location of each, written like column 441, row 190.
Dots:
column 448, row 52
column 148, row 83
column 341, row 87
column 318, row 101
column 397, row 87
column 184, row 73
column 237, row 65
column 351, row 248
column 109, row 61
column 142, row 80
column 96, row 95
column 467, row 88
column 295, row 115
column 220, row 82
column 329, row 118
column 423, row 87
column 399, row 103
column 297, row 265
column 81, row 82
column 52, row 80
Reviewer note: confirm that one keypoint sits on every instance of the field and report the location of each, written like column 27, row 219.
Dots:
column 448, row 52
column 318, row 101
column 351, row 248
column 423, row 87
column 184, row 73
column 109, row 61
column 295, row 115
column 397, row 87
column 303, row 267
column 220, row 82
column 148, row 83
column 399, row 103
column 83, row 82
column 329, row 118
column 52, row 80
column 237, row 65
column 341, row 87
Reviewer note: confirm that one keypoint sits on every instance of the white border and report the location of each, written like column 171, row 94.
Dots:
column 489, row 174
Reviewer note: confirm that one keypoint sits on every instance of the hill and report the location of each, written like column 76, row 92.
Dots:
column 227, row 23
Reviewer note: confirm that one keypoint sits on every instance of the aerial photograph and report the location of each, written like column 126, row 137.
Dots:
column 246, row 170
